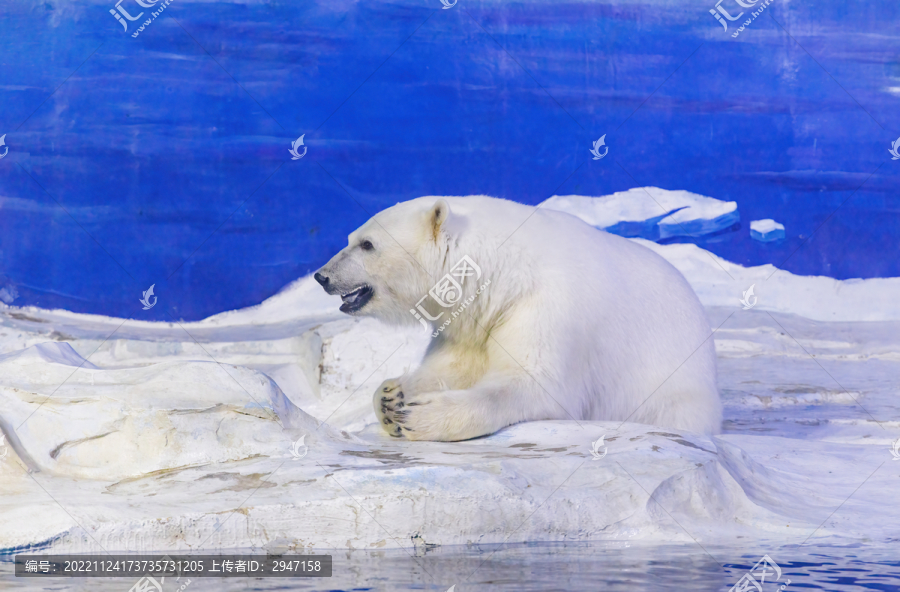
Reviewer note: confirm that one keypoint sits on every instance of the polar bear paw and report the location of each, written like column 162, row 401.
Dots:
column 388, row 400
column 393, row 408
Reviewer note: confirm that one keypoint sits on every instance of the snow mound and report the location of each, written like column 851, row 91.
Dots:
column 650, row 212
column 719, row 282
column 74, row 419
column 444, row 493
column 51, row 352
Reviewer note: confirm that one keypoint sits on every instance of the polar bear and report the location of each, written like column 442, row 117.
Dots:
column 533, row 314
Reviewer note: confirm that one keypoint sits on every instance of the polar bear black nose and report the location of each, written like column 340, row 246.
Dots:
column 321, row 279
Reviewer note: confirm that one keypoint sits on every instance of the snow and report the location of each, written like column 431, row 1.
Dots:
column 650, row 212
column 254, row 429
column 766, row 230
column 719, row 282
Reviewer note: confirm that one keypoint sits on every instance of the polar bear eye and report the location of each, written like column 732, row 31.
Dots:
column 366, row 245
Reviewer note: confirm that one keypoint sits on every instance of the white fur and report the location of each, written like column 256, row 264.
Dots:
column 576, row 323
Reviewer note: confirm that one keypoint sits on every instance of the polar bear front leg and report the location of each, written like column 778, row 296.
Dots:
column 391, row 401
column 448, row 416
column 453, row 415
column 396, row 394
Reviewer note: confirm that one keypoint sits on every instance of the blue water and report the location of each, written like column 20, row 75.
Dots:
column 568, row 567
column 163, row 159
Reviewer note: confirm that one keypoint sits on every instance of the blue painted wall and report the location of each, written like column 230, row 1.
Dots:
column 163, row 158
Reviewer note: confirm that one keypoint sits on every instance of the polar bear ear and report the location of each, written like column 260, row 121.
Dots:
column 438, row 216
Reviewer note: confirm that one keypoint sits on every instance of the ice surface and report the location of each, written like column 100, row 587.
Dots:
column 147, row 436
column 766, row 230
column 650, row 212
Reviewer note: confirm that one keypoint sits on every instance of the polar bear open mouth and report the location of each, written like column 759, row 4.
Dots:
column 358, row 298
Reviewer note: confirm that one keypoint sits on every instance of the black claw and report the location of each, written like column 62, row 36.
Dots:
column 400, row 395
column 383, row 399
column 399, row 405
column 386, row 389
column 387, row 421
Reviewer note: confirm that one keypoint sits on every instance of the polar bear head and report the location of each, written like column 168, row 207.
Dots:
column 391, row 261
